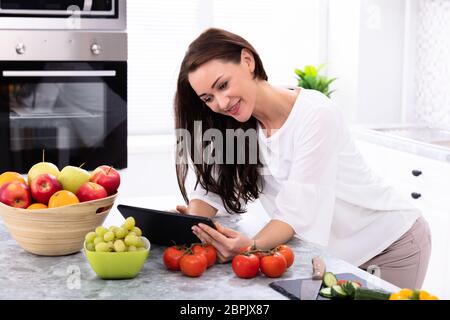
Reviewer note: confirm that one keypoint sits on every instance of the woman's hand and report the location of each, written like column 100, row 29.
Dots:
column 227, row 242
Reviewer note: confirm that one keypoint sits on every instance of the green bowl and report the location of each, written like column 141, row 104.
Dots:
column 118, row 265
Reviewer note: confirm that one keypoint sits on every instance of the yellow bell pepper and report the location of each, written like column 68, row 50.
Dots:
column 408, row 294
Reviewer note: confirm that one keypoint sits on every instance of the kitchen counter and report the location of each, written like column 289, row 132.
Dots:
column 27, row 276
column 407, row 138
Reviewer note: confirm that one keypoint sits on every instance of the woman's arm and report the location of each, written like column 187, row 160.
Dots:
column 228, row 242
column 274, row 233
column 198, row 207
column 201, row 208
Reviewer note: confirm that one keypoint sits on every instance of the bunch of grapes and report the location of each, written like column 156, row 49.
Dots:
column 125, row 238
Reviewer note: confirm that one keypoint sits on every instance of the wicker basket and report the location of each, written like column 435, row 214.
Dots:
column 55, row 231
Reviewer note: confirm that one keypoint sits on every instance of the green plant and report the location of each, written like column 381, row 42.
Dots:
column 309, row 78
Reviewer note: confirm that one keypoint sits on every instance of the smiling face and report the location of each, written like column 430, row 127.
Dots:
column 227, row 87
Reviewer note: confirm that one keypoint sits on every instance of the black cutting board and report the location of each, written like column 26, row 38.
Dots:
column 291, row 288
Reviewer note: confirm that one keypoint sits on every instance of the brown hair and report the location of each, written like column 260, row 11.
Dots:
column 232, row 182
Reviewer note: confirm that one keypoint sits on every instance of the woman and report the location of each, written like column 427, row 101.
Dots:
column 308, row 174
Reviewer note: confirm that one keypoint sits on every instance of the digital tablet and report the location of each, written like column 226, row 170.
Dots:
column 164, row 227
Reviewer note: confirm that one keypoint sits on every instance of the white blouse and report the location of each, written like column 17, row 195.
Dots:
column 315, row 180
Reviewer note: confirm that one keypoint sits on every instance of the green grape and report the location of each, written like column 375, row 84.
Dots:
column 129, row 223
column 98, row 240
column 90, row 237
column 139, row 242
column 102, row 247
column 111, row 245
column 131, row 233
column 121, row 233
column 100, row 231
column 90, row 246
column 109, row 236
column 137, row 231
column 131, row 240
column 141, row 249
column 119, row 246
column 132, row 248
column 112, row 228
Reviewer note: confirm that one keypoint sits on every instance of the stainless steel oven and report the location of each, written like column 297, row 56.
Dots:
column 65, row 92
column 63, row 14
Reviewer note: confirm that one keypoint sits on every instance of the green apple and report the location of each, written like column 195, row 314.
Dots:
column 40, row 168
column 72, row 178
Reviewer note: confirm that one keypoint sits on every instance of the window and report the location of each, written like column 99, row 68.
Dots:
column 432, row 64
column 286, row 34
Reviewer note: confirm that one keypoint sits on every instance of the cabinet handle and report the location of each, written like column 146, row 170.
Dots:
column 416, row 173
column 415, row 195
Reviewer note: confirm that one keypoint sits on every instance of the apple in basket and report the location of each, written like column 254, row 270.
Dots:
column 108, row 177
column 72, row 178
column 91, row 191
column 15, row 194
column 42, row 167
column 43, row 187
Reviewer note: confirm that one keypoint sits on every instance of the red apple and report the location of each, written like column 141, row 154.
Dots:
column 107, row 177
column 15, row 194
column 91, row 191
column 43, row 187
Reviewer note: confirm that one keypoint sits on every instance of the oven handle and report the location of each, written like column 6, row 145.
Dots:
column 59, row 73
column 56, row 13
column 87, row 5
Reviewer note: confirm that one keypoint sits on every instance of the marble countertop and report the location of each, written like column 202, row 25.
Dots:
column 28, row 276
column 371, row 133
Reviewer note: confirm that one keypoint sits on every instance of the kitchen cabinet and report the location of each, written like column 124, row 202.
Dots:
column 421, row 179
column 426, row 182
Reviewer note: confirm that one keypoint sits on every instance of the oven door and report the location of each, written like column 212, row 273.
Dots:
column 65, row 14
column 75, row 111
column 63, row 8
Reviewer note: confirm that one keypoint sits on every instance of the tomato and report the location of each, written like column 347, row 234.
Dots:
column 193, row 265
column 273, row 266
column 172, row 256
column 245, row 266
column 341, row 282
column 209, row 251
column 245, row 249
column 359, row 283
column 287, row 253
column 250, row 248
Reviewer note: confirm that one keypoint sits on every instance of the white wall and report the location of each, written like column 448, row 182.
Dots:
column 151, row 167
column 343, row 53
column 366, row 53
column 409, row 70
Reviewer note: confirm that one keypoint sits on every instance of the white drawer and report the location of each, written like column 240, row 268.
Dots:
column 425, row 178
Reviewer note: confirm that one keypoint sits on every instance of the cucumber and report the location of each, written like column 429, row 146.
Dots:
column 371, row 294
column 326, row 293
column 338, row 293
column 350, row 288
column 329, row 279
column 355, row 285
